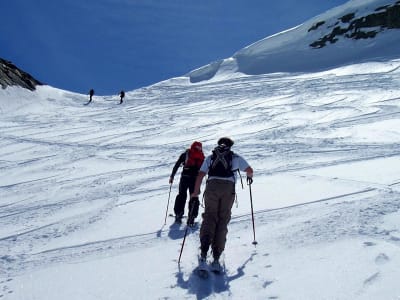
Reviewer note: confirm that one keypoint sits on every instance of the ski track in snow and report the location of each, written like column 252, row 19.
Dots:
column 74, row 167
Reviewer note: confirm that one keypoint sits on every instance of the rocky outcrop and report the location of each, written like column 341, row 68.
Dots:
column 385, row 17
column 11, row 75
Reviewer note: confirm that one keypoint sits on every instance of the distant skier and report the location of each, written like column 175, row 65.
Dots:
column 122, row 96
column 91, row 93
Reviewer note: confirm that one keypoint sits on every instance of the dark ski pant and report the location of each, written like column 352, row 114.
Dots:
column 186, row 183
column 218, row 198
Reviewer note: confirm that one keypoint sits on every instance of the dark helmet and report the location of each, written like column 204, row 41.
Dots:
column 225, row 141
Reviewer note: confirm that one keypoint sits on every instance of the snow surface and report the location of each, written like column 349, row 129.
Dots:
column 84, row 188
column 290, row 51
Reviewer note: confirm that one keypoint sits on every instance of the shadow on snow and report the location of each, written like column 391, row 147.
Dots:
column 215, row 283
column 177, row 231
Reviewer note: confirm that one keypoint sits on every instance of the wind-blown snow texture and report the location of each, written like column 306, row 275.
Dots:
column 84, row 189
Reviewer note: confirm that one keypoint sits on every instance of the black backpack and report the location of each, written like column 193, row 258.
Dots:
column 221, row 162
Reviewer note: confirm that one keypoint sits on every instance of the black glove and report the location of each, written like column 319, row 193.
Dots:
column 249, row 180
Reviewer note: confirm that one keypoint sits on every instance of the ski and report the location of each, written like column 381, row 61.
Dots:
column 202, row 270
column 173, row 216
column 178, row 221
column 216, row 268
column 203, row 274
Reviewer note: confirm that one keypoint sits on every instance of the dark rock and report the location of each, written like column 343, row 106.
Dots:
column 384, row 17
column 316, row 25
column 347, row 18
column 11, row 75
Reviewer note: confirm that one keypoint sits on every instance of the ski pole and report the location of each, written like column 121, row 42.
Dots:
column 186, row 230
column 241, row 180
column 169, row 196
column 183, row 244
column 252, row 216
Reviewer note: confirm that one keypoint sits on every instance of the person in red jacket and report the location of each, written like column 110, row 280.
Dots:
column 191, row 160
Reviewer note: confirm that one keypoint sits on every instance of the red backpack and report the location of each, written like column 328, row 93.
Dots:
column 194, row 156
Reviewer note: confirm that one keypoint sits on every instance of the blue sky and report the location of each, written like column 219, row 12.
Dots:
column 111, row 45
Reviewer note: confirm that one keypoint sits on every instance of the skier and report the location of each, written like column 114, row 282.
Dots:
column 219, row 196
column 191, row 161
column 91, row 93
column 121, row 95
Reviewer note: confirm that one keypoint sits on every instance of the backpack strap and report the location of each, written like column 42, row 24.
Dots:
column 220, row 157
column 221, row 162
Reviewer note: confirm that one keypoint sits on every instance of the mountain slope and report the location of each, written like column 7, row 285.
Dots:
column 354, row 32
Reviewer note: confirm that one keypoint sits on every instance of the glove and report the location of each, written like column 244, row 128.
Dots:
column 249, row 180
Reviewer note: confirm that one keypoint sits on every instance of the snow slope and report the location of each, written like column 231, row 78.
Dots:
column 84, row 188
column 290, row 50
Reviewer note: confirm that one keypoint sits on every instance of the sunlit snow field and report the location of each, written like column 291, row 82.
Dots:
column 84, row 188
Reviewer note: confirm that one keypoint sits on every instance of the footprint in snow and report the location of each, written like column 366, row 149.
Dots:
column 369, row 244
column 267, row 283
column 370, row 280
column 395, row 238
column 381, row 259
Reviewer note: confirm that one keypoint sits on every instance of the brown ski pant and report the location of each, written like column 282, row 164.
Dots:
column 219, row 196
